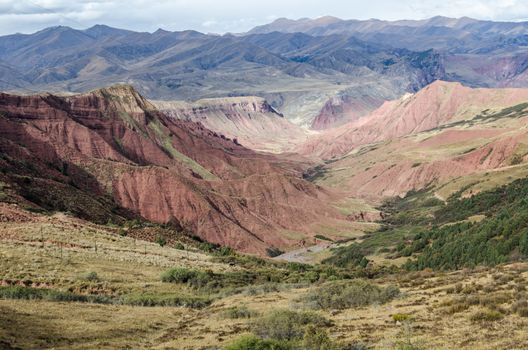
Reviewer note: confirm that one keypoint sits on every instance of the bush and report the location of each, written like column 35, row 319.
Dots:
column 486, row 315
column 224, row 251
column 262, row 289
column 161, row 241
column 516, row 159
column 401, row 317
column 178, row 275
column 252, row 342
column 286, row 324
column 195, row 302
column 349, row 257
column 26, row 293
column 457, row 307
column 179, row 246
column 317, row 339
column 343, row 295
column 520, row 307
column 236, row 312
column 193, row 278
column 90, row 276
column 323, row 238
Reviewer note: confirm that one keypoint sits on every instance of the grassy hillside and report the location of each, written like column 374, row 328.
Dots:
column 69, row 284
column 488, row 228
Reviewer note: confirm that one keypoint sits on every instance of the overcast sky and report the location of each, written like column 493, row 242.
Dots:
column 223, row 16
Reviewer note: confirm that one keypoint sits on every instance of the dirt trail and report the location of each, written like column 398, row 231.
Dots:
column 301, row 255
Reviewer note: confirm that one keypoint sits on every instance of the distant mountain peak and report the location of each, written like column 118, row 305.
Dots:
column 103, row 30
column 161, row 31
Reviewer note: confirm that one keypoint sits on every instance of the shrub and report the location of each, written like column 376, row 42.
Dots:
column 225, row 251
column 401, row 317
column 348, row 256
column 317, row 339
column 407, row 345
column 262, row 289
column 323, row 238
column 161, row 241
column 516, row 159
column 90, row 276
column 520, row 307
column 236, row 312
column 252, row 342
column 193, row 278
column 179, row 246
column 486, row 315
column 286, row 324
column 178, row 275
column 26, row 293
column 208, row 247
column 343, row 295
column 357, row 345
column 122, row 232
column 494, row 300
column 195, row 302
column 456, row 308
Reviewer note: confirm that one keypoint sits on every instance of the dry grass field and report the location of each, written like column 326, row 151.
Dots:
column 468, row 309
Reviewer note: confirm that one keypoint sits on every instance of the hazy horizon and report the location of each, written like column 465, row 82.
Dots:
column 227, row 33
column 233, row 16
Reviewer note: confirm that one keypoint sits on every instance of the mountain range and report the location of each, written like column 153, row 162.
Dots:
column 264, row 139
column 315, row 75
column 310, row 184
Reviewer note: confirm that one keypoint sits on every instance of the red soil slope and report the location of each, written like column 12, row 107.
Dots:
column 82, row 153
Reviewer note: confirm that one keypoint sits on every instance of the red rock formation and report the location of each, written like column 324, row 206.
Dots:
column 112, row 142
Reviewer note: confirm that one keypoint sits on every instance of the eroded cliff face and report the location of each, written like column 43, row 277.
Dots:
column 111, row 151
column 250, row 120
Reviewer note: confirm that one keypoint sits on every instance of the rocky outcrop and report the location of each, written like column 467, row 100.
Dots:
column 110, row 153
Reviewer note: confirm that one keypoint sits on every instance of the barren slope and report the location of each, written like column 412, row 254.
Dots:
column 249, row 120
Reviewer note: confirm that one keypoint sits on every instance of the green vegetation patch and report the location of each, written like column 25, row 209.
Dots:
column 27, row 293
column 500, row 237
column 348, row 294
column 239, row 281
column 287, row 324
